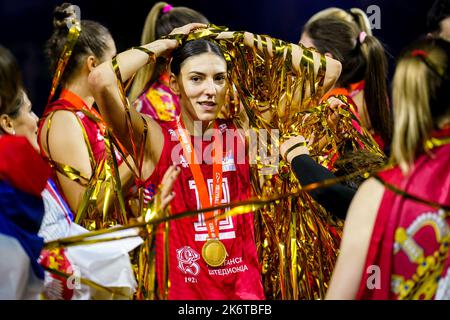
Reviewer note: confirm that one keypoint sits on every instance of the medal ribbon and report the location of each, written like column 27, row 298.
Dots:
column 212, row 224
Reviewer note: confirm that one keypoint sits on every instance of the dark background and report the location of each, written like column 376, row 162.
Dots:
column 25, row 25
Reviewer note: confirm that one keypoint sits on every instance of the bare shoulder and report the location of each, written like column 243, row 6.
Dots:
column 355, row 241
column 364, row 208
column 64, row 128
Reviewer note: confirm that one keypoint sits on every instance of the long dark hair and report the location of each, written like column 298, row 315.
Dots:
column 364, row 60
column 93, row 40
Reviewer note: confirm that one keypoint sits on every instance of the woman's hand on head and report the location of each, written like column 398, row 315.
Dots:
column 172, row 44
column 188, row 28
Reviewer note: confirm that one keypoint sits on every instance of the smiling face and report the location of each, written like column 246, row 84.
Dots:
column 201, row 86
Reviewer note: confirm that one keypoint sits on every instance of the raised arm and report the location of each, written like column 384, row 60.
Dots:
column 104, row 85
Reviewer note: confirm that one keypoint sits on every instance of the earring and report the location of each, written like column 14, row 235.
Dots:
column 14, row 132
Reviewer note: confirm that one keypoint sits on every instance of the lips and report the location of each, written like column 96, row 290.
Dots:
column 208, row 105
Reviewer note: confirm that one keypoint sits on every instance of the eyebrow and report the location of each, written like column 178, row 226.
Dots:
column 203, row 74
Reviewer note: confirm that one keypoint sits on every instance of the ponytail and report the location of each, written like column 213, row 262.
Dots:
column 361, row 20
column 161, row 22
column 144, row 75
column 421, row 99
column 375, row 90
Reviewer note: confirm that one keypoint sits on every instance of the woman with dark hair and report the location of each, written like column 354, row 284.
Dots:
column 364, row 71
column 352, row 15
column 72, row 134
column 208, row 258
column 397, row 233
column 150, row 90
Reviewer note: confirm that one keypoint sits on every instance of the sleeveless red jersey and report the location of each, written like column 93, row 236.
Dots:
column 190, row 277
column 408, row 235
column 95, row 131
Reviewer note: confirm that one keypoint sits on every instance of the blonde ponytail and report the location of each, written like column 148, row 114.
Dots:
column 145, row 74
column 419, row 99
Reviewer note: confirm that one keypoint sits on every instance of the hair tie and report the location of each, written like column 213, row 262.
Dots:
column 166, row 8
column 421, row 53
column 362, row 36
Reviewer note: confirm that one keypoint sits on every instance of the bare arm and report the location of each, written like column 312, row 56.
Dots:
column 103, row 84
column 355, row 242
column 68, row 149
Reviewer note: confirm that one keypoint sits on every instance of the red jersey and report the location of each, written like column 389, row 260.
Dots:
column 91, row 121
column 190, row 277
column 408, row 242
column 95, row 130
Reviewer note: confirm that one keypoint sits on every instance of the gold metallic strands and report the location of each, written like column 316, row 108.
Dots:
column 72, row 37
column 279, row 89
column 103, row 187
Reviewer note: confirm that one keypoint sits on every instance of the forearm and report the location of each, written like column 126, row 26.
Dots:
column 129, row 62
column 103, row 83
column 336, row 198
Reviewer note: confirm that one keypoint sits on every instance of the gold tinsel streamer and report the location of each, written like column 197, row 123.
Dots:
column 103, row 186
column 298, row 240
column 154, row 216
column 72, row 37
